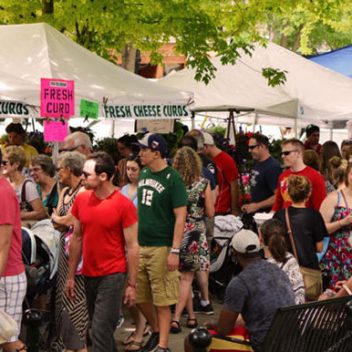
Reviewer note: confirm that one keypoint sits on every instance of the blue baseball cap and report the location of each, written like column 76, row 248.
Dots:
column 153, row 141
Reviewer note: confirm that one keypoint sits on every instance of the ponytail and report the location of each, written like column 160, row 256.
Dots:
column 273, row 233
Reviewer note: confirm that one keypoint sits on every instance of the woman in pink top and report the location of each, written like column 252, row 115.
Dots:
column 13, row 283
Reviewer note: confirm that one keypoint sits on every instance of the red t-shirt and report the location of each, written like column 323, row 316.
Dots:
column 10, row 215
column 227, row 172
column 102, row 223
column 282, row 199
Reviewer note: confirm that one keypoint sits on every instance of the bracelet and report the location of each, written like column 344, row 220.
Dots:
column 131, row 285
column 175, row 251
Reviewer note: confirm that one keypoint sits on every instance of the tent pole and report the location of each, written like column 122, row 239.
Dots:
column 296, row 127
column 193, row 122
column 255, row 121
column 113, row 128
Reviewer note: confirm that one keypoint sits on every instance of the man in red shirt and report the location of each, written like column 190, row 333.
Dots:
column 292, row 155
column 13, row 283
column 227, row 177
column 312, row 141
column 105, row 222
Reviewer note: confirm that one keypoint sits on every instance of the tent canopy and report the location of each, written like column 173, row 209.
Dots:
column 311, row 94
column 339, row 60
column 34, row 51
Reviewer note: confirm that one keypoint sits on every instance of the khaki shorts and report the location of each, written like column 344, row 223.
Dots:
column 154, row 282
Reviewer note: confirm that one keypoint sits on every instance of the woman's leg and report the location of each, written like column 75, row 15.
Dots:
column 185, row 290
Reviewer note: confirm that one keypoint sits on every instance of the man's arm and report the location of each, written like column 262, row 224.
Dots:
column 254, row 207
column 130, row 235
column 225, row 323
column 75, row 253
column 5, row 244
column 180, row 218
column 234, row 189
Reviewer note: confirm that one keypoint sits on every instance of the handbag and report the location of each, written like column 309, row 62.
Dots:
column 8, row 327
column 312, row 278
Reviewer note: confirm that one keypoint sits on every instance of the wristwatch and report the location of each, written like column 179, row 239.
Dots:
column 175, row 251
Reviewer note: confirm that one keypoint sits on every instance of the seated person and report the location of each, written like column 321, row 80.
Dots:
column 256, row 293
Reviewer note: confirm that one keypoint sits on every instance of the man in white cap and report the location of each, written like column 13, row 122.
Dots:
column 227, row 176
column 256, row 293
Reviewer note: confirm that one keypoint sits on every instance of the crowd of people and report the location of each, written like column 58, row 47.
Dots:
column 136, row 233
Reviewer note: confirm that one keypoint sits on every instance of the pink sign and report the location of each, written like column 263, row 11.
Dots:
column 55, row 131
column 57, row 98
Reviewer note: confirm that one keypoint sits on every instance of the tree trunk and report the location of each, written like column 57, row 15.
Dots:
column 129, row 58
column 47, row 7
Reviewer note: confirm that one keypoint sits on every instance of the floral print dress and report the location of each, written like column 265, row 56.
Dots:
column 194, row 227
column 336, row 264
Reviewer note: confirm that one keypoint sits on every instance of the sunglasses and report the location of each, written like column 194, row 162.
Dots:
column 288, row 152
column 251, row 147
column 4, row 162
column 85, row 174
column 70, row 149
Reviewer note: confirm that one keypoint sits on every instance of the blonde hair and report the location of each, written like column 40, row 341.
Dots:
column 188, row 164
column 16, row 154
column 299, row 188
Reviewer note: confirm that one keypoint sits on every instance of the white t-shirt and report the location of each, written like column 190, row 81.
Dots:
column 31, row 192
column 291, row 268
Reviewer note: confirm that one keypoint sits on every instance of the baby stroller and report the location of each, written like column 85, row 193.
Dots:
column 40, row 249
column 222, row 265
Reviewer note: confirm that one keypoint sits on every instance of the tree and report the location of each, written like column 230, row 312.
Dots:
column 198, row 27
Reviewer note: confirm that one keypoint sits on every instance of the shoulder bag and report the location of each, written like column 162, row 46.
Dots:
column 312, row 278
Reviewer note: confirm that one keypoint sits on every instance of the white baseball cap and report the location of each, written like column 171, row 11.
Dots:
column 245, row 242
column 208, row 138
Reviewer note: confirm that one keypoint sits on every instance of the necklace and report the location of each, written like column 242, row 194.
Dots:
column 71, row 192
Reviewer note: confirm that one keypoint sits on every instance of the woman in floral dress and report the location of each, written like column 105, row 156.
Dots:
column 200, row 204
column 336, row 210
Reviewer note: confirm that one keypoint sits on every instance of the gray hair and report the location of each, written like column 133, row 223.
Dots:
column 80, row 138
column 73, row 161
column 46, row 163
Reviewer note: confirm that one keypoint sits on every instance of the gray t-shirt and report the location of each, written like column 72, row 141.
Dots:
column 257, row 292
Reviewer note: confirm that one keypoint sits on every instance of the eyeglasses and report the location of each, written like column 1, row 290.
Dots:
column 4, row 162
column 251, row 147
column 59, row 168
column 288, row 152
column 85, row 174
column 70, row 149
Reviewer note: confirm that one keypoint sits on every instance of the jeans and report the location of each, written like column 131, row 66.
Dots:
column 104, row 296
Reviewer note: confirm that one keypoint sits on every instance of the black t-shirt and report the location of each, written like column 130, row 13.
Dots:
column 308, row 228
column 207, row 163
column 264, row 178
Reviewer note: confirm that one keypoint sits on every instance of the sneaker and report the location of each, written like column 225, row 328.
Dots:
column 207, row 310
column 152, row 343
column 120, row 321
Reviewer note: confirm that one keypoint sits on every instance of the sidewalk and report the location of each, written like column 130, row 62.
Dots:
column 176, row 340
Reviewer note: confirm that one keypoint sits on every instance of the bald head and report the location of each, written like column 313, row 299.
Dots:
column 78, row 141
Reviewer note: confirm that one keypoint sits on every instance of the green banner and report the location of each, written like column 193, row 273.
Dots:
column 89, row 109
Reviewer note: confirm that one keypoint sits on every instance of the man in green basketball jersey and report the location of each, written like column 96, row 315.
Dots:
column 162, row 201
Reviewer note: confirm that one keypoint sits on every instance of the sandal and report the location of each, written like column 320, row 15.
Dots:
column 129, row 339
column 175, row 327
column 192, row 323
column 147, row 330
column 134, row 346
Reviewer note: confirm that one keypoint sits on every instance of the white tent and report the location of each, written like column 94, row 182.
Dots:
column 312, row 93
column 34, row 51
